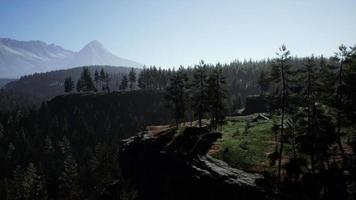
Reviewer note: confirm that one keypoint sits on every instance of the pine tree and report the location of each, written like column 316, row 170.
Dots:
column 102, row 78
column 106, row 85
column 349, row 106
column 263, row 83
column 350, row 87
column 69, row 179
column 309, row 95
column 33, row 184
column 200, row 92
column 86, row 81
column 341, row 56
column 10, row 151
column 176, row 96
column 79, row 86
column 48, row 147
column 217, row 96
column 68, row 84
column 132, row 78
column 64, row 146
column 96, row 78
column 124, row 83
column 104, row 166
column 280, row 77
column 142, row 79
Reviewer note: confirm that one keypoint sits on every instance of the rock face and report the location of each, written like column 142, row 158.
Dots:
column 174, row 166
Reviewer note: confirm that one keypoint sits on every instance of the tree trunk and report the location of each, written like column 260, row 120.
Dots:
column 339, row 102
column 284, row 93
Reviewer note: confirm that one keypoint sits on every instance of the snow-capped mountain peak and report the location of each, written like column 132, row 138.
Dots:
column 19, row 58
column 94, row 44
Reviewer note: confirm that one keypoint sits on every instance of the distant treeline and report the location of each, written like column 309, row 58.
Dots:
column 242, row 78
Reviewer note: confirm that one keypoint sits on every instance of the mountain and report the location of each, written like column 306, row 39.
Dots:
column 18, row 58
column 25, row 57
column 94, row 53
column 50, row 84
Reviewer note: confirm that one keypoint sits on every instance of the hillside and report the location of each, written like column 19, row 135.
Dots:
column 116, row 113
column 50, row 84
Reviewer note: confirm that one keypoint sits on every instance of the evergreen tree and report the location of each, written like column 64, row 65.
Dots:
column 69, row 179
column 104, row 166
column 341, row 56
column 124, row 83
column 176, row 96
column 280, row 77
column 85, row 83
column 102, row 77
column 48, row 147
column 263, row 83
column 217, row 96
column 79, row 86
column 307, row 135
column 350, row 87
column 64, row 146
column 142, row 79
column 200, row 92
column 10, row 151
column 68, row 84
column 132, row 78
column 106, row 85
column 33, row 184
column 96, row 78
column 86, row 80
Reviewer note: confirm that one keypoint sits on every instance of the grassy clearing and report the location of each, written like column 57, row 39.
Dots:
column 246, row 145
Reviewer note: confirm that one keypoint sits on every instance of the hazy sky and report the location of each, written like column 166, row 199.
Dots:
column 174, row 32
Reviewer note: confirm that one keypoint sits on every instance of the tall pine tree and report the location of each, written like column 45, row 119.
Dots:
column 68, row 84
column 281, row 69
column 200, row 92
column 132, row 79
column 217, row 96
column 176, row 95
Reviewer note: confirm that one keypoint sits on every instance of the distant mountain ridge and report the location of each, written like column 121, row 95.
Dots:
column 50, row 84
column 18, row 58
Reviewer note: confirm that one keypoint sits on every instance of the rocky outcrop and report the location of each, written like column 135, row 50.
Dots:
column 174, row 166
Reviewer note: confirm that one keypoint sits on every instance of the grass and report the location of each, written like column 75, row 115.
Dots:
column 246, row 145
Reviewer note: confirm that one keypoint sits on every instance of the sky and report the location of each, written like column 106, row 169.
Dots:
column 170, row 33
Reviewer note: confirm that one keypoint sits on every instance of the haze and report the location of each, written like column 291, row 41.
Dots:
column 171, row 33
